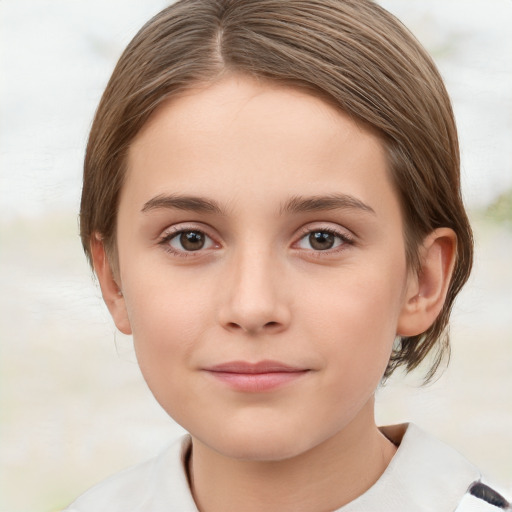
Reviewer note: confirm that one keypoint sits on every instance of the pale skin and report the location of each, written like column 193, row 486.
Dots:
column 295, row 253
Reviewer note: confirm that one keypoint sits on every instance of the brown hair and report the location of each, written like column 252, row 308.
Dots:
column 352, row 53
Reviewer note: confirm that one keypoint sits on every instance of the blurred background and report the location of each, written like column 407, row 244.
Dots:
column 73, row 407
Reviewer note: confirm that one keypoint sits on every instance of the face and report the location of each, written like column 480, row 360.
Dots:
column 262, row 266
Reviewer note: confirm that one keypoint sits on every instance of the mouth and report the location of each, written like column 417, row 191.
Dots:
column 256, row 377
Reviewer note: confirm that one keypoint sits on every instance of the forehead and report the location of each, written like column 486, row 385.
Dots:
column 241, row 134
column 220, row 110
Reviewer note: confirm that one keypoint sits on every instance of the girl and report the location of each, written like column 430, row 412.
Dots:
column 271, row 203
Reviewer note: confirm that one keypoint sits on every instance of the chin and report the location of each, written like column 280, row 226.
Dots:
column 267, row 450
column 260, row 444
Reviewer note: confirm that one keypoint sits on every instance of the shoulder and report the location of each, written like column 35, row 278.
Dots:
column 450, row 475
column 426, row 475
column 153, row 485
column 459, row 475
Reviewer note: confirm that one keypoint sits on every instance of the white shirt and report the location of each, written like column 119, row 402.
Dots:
column 425, row 475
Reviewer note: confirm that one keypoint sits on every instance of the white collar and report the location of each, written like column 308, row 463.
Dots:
column 424, row 475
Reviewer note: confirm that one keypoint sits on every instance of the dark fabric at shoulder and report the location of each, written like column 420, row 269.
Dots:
column 484, row 492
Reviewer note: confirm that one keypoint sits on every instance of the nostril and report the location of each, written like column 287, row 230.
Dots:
column 234, row 326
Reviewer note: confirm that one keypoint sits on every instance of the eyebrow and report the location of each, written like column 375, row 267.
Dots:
column 300, row 204
column 296, row 204
column 179, row 202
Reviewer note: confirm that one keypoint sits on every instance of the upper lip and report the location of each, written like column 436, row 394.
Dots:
column 254, row 368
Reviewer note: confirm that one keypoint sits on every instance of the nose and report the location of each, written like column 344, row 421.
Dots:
column 254, row 296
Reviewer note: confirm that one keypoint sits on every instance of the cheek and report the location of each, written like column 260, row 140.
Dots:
column 356, row 300
column 356, row 315
column 166, row 327
column 167, row 317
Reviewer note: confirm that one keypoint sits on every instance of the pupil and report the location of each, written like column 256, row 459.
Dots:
column 192, row 240
column 321, row 240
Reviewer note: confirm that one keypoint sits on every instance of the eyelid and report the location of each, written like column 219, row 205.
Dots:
column 344, row 234
column 173, row 231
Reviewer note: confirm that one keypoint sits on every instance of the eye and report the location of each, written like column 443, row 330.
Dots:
column 186, row 240
column 323, row 240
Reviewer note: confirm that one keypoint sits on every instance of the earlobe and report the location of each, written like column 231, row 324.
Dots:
column 112, row 294
column 427, row 289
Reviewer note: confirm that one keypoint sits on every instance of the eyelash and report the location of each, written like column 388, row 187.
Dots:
column 346, row 240
column 170, row 235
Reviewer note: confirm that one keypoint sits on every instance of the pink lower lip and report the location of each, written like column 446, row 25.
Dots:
column 257, row 382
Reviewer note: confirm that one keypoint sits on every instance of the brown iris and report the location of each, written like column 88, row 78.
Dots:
column 192, row 240
column 321, row 240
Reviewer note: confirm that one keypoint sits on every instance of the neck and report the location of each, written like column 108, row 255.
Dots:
column 326, row 477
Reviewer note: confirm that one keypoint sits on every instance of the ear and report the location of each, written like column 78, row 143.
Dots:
column 112, row 294
column 426, row 289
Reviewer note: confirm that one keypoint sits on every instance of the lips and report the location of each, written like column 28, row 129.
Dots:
column 255, row 377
